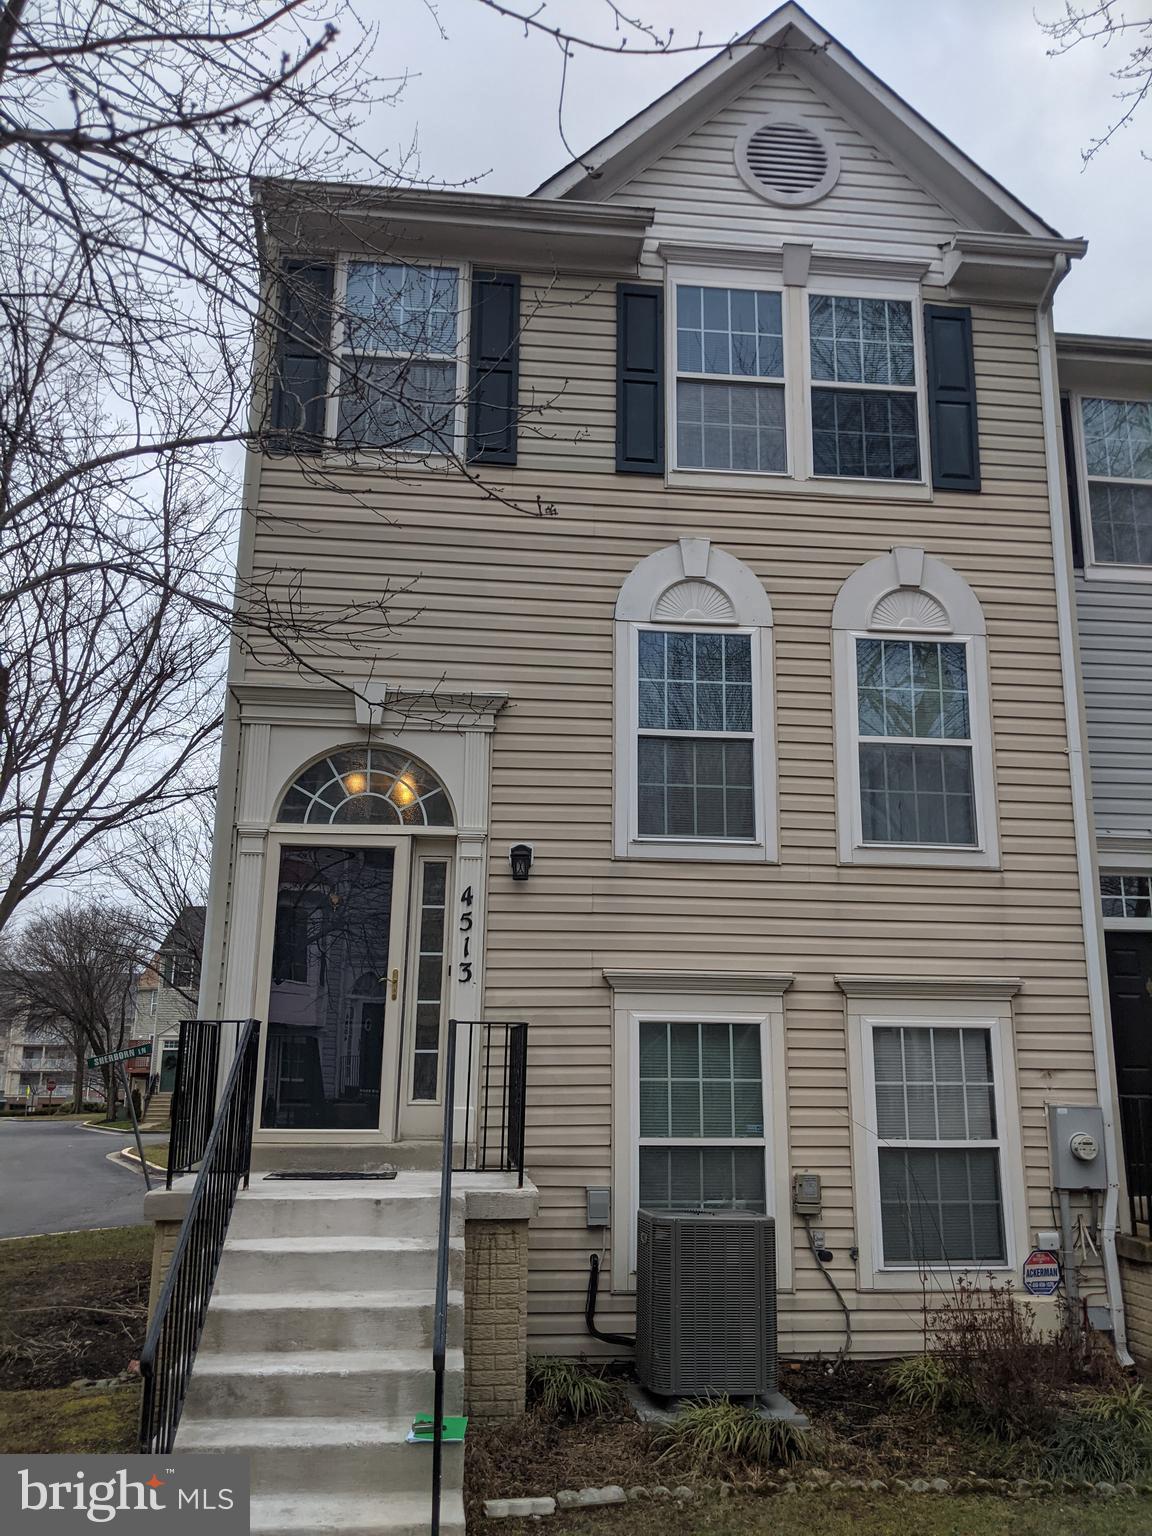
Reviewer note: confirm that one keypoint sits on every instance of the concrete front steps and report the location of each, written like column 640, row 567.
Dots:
column 317, row 1355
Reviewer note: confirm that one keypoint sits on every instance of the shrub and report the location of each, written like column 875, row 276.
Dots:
column 922, row 1382
column 718, row 1432
column 1090, row 1447
column 1128, row 1405
column 571, row 1389
column 1005, row 1377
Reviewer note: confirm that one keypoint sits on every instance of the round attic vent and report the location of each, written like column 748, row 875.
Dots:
column 787, row 161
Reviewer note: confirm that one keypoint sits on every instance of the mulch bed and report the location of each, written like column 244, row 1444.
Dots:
column 72, row 1305
column 859, row 1431
column 533, row 1454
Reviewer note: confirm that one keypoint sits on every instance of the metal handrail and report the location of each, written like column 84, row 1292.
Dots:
column 511, row 1073
column 440, row 1317
column 1136, row 1140
column 178, row 1321
column 193, row 1106
column 497, row 1069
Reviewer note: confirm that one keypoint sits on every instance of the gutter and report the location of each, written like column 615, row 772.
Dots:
column 1081, row 816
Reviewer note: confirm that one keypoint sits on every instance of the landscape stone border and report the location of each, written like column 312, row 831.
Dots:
column 808, row 1480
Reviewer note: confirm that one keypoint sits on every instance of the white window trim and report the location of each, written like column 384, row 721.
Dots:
column 669, row 998
column 799, row 477
column 719, row 277
column 351, row 454
column 911, row 570
column 867, row 1013
column 693, row 559
column 1095, row 570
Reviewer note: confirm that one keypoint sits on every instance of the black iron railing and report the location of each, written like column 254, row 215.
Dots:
column 178, row 1321
column 194, row 1092
column 496, row 1071
column 493, row 1139
column 1136, row 1136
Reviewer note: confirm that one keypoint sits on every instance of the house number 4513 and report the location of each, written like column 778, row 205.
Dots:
column 466, row 919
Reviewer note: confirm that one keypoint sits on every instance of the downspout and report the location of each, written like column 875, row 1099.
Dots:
column 1081, row 814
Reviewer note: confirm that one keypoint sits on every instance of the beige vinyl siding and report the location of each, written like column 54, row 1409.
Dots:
column 874, row 207
column 1115, row 623
column 495, row 595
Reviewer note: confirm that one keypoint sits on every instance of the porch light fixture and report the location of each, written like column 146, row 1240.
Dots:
column 520, row 858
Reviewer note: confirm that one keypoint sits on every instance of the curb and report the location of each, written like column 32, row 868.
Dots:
column 129, row 1158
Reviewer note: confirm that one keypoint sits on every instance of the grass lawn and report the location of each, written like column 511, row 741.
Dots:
column 851, row 1514
column 66, row 1421
column 72, row 1305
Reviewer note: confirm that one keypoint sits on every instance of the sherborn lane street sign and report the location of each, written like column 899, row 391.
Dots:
column 129, row 1053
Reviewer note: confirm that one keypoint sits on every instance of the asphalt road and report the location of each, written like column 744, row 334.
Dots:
column 56, row 1178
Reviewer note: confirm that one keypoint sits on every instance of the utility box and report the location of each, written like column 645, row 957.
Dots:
column 1076, row 1141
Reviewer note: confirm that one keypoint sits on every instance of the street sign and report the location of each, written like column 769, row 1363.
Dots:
column 51, row 1086
column 1041, row 1272
column 129, row 1053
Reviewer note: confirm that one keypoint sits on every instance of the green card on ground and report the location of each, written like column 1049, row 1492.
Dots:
column 422, row 1426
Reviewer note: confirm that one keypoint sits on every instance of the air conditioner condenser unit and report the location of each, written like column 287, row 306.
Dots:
column 706, row 1303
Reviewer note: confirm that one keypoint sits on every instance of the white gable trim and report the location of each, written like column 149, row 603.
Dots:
column 960, row 184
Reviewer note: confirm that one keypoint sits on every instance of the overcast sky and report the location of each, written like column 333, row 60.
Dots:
column 485, row 101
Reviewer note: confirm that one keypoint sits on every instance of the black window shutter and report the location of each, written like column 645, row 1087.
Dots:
column 952, row 398
column 494, row 368
column 1077, row 528
column 640, row 378
column 300, row 381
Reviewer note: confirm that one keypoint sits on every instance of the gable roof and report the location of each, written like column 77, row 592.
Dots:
column 976, row 198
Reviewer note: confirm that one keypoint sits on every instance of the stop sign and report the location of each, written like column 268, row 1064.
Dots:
column 51, row 1085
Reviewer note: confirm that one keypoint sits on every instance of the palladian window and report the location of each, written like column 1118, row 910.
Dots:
column 367, row 785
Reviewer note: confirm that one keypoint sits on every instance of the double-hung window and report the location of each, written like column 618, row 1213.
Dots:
column 695, row 757
column 399, row 385
column 730, row 380
column 915, row 743
column 1117, row 438
column 938, row 1148
column 702, row 1141
column 864, row 406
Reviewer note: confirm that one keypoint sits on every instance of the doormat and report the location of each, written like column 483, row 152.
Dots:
column 328, row 1173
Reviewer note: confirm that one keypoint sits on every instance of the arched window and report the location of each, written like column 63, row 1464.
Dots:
column 367, row 786
column 694, row 774
column 914, row 731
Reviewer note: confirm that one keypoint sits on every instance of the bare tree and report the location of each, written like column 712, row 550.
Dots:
column 78, row 963
column 1107, row 26
column 163, row 863
column 138, row 278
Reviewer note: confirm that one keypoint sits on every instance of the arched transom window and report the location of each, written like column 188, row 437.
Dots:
column 914, row 731
column 694, row 772
column 367, row 786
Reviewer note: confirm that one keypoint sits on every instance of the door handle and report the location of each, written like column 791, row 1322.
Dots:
column 395, row 984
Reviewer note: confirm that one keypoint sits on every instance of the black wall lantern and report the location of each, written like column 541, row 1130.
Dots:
column 520, row 858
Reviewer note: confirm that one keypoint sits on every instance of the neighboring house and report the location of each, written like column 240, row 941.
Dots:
column 752, row 625
column 1107, row 385
column 166, row 993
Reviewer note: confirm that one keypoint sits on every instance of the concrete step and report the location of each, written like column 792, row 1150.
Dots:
column 318, row 1515
column 341, row 1383
column 329, row 1320
column 274, row 1209
column 277, row 1266
column 310, row 1455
